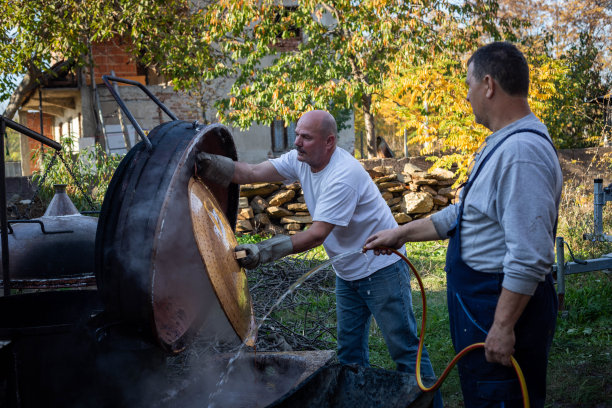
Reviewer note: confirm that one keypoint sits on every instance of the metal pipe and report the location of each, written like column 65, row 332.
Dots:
column 3, row 218
column 124, row 130
column 163, row 107
column 600, row 197
column 39, row 222
column 145, row 139
column 32, row 134
column 42, row 131
column 598, row 203
column 560, row 272
column 590, row 265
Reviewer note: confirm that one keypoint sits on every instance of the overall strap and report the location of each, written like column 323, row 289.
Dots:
column 481, row 164
column 455, row 227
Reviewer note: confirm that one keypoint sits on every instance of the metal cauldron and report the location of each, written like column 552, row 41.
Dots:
column 58, row 349
column 164, row 244
column 348, row 386
column 55, row 250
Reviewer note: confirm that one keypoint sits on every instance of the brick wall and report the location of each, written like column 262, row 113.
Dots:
column 184, row 106
column 112, row 55
column 145, row 111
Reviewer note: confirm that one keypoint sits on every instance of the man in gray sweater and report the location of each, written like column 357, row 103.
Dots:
column 499, row 284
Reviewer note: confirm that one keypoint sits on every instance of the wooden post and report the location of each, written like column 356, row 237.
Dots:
column 361, row 143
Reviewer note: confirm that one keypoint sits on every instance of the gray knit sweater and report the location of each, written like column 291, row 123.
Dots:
column 510, row 211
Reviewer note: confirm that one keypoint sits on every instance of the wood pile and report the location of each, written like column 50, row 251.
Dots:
column 275, row 208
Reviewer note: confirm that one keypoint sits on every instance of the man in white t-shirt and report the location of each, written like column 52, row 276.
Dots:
column 346, row 208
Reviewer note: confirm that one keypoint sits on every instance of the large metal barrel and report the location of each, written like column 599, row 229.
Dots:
column 55, row 250
column 58, row 350
column 165, row 241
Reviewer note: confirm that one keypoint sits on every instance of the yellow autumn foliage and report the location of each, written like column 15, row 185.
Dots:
column 428, row 103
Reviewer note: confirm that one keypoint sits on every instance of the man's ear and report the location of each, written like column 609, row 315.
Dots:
column 490, row 83
column 331, row 140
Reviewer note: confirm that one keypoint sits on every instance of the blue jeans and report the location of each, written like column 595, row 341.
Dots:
column 385, row 295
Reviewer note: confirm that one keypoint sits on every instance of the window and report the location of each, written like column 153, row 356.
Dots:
column 283, row 136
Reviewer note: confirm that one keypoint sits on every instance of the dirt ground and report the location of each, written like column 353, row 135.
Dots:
column 582, row 166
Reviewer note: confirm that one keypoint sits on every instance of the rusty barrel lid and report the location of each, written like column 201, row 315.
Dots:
column 165, row 241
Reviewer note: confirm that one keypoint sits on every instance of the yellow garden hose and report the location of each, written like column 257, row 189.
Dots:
column 462, row 353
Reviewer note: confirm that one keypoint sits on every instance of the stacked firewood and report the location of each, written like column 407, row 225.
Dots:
column 275, row 208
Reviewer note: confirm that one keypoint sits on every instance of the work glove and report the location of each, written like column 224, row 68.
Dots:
column 265, row 251
column 215, row 168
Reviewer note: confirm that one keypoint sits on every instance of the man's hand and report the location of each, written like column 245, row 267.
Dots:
column 499, row 345
column 390, row 238
column 215, row 168
column 419, row 230
column 265, row 251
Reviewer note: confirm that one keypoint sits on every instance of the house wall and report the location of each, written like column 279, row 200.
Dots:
column 69, row 123
column 145, row 111
column 108, row 57
column 87, row 105
column 253, row 145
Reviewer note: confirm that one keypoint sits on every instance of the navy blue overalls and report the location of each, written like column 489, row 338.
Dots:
column 472, row 299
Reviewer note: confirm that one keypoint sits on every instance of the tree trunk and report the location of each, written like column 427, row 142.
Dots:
column 28, row 84
column 368, row 118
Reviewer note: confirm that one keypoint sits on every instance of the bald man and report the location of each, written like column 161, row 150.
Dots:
column 346, row 208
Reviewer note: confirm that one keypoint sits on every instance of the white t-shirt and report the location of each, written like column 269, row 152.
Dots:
column 343, row 194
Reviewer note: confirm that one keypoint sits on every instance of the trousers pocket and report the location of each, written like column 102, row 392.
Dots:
column 499, row 390
column 471, row 318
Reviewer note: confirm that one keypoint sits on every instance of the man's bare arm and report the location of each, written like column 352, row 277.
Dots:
column 252, row 173
column 419, row 230
column 499, row 344
column 312, row 237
